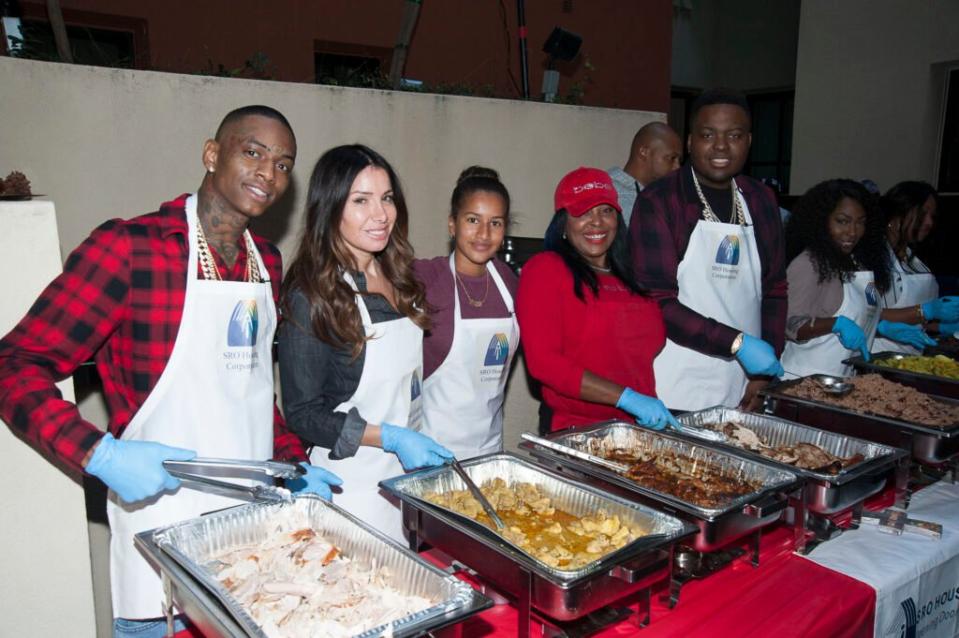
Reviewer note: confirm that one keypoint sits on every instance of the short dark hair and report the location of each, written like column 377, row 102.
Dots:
column 253, row 109
column 711, row 97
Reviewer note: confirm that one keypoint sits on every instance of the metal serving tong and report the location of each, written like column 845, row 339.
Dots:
column 713, row 436
column 196, row 474
column 621, row 468
column 477, row 494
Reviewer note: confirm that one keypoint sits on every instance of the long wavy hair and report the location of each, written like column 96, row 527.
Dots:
column 808, row 229
column 902, row 204
column 620, row 263
column 323, row 256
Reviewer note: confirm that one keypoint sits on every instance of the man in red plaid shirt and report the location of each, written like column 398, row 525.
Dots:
column 178, row 309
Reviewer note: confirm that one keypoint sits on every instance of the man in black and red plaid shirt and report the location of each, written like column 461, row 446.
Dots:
column 708, row 243
column 177, row 307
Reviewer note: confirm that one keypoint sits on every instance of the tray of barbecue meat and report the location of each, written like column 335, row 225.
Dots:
column 876, row 409
column 840, row 471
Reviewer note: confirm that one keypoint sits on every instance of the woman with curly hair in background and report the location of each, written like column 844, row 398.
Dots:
column 838, row 271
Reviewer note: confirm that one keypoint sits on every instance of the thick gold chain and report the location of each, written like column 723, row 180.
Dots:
column 708, row 213
column 208, row 265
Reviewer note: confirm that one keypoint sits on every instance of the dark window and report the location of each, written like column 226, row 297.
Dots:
column 949, row 143
column 97, row 39
column 771, row 150
column 96, row 47
column 346, row 64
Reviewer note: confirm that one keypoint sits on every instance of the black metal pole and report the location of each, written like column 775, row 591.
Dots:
column 523, row 62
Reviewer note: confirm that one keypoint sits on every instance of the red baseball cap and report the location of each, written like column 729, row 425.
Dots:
column 584, row 189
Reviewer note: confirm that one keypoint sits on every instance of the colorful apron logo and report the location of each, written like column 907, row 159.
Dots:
column 728, row 252
column 497, row 351
column 871, row 297
column 243, row 324
column 415, row 387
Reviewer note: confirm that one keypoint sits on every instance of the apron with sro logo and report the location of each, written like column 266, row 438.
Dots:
column 215, row 396
column 389, row 391
column 720, row 277
column 917, row 288
column 825, row 354
column 463, row 398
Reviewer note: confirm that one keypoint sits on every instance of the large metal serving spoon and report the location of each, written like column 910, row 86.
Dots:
column 829, row 384
column 477, row 494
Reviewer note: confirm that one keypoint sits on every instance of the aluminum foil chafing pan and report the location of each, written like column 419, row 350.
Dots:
column 193, row 544
column 825, row 493
column 929, row 445
column 717, row 526
column 562, row 594
column 928, row 383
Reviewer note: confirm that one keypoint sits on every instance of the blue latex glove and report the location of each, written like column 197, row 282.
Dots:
column 315, row 481
column 412, row 448
column 758, row 357
column 851, row 335
column 906, row 333
column 942, row 309
column 649, row 411
column 948, row 329
column 134, row 469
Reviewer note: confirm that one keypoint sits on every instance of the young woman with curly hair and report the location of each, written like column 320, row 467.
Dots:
column 909, row 209
column 351, row 345
column 837, row 275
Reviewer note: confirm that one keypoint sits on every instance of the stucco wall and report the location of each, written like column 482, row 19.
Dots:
column 869, row 88
column 106, row 143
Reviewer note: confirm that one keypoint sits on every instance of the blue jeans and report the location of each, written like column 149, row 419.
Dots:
column 149, row 628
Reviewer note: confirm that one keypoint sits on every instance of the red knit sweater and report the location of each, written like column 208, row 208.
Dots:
column 615, row 336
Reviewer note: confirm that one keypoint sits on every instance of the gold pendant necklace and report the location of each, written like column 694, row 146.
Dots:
column 476, row 303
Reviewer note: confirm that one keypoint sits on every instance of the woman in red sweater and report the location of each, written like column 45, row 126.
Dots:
column 590, row 333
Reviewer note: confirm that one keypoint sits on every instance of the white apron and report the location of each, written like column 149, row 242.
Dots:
column 215, row 396
column 389, row 391
column 719, row 277
column 825, row 354
column 916, row 288
column 463, row 398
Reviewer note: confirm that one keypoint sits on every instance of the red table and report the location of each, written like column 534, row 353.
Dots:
column 785, row 596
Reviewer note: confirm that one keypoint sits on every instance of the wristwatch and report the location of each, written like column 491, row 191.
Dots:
column 737, row 343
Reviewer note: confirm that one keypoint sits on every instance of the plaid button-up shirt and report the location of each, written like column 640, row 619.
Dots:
column 663, row 219
column 119, row 299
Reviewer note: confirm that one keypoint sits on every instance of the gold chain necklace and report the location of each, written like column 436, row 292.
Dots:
column 476, row 303
column 708, row 213
column 208, row 265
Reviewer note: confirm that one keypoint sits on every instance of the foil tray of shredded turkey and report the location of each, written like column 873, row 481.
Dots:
column 308, row 568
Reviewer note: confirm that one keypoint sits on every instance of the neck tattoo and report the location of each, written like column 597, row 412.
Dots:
column 208, row 265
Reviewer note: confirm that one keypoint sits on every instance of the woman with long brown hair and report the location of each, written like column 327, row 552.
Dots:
column 351, row 345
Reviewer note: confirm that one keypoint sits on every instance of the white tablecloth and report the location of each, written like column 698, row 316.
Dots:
column 916, row 578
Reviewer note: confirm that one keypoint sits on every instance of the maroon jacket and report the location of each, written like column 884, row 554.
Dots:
column 663, row 219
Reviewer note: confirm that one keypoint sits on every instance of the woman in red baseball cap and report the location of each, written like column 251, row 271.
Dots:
column 590, row 332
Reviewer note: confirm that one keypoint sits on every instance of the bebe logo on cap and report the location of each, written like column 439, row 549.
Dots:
column 589, row 186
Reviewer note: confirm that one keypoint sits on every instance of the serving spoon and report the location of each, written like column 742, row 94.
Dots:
column 828, row 384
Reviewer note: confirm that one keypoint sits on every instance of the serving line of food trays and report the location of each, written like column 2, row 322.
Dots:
column 186, row 556
column 717, row 527
column 928, row 445
column 928, row 383
column 557, row 597
column 828, row 491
